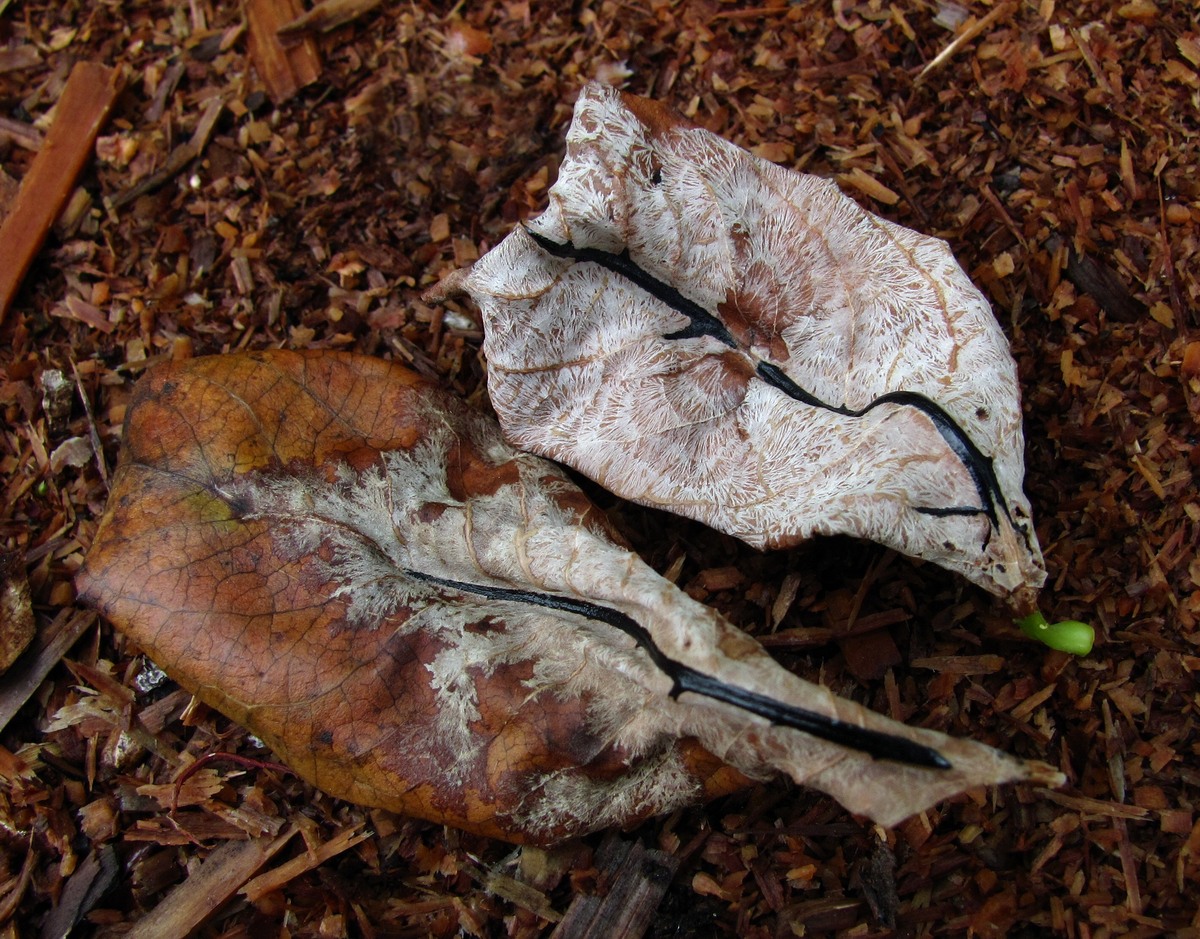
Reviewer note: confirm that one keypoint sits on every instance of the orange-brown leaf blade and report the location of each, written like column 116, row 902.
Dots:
column 414, row 615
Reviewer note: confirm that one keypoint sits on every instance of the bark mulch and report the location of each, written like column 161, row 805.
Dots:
column 186, row 179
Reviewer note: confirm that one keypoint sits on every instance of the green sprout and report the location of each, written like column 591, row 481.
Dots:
column 1068, row 636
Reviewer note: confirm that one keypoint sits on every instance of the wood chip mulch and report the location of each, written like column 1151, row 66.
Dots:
column 282, row 175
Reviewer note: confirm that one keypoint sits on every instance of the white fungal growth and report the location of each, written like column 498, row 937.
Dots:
column 393, row 536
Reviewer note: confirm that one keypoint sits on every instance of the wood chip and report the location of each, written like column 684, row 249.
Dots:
column 1090, row 806
column 180, row 157
column 83, row 891
column 869, row 185
column 961, row 664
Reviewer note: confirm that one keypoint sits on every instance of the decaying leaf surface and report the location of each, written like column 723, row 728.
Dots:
column 706, row 332
column 415, row 616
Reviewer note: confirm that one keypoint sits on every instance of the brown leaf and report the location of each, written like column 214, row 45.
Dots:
column 703, row 331
column 415, row 616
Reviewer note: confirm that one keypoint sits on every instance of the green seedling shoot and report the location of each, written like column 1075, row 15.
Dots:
column 1068, row 636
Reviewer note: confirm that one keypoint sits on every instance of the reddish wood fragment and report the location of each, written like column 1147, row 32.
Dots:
column 513, row 890
column 284, row 69
column 962, row 664
column 80, row 113
column 16, row 888
column 1105, row 285
column 20, row 133
column 1091, row 806
column 19, row 58
column 870, row 655
column 1190, row 366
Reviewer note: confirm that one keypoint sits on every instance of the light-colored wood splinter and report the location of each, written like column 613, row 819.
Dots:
column 86, row 100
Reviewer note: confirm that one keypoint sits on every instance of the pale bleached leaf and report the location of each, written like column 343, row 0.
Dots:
column 703, row 331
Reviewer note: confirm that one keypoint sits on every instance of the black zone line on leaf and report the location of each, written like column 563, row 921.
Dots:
column 704, row 323
column 684, row 678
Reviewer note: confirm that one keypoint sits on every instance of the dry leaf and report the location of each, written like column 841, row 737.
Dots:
column 413, row 615
column 703, row 331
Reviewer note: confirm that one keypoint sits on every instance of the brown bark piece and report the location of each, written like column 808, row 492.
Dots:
column 180, row 157
column 639, row 879
column 16, row 610
column 285, row 69
column 205, row 891
column 81, row 111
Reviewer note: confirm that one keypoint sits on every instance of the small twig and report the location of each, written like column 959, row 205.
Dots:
column 283, row 69
column 815, row 637
column 273, row 879
column 8, row 906
column 208, row 886
column 1168, row 260
column 893, row 166
column 752, row 13
column 994, row 201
